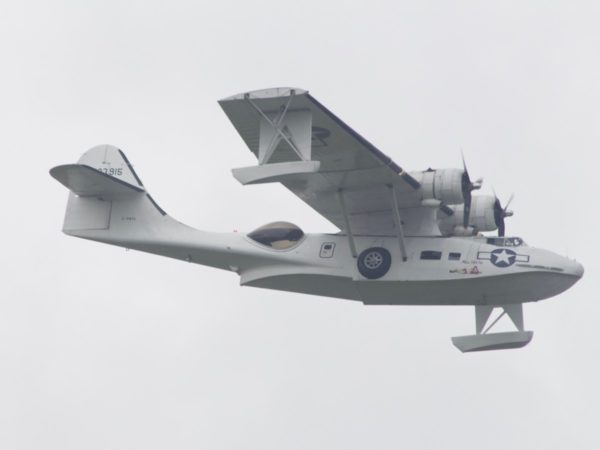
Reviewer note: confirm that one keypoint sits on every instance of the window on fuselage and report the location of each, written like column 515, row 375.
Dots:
column 454, row 256
column 513, row 242
column 505, row 242
column 431, row 254
column 497, row 241
column 277, row 235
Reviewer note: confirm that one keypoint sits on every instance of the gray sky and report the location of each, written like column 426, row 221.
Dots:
column 106, row 349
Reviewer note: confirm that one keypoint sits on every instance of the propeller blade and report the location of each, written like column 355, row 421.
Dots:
column 501, row 229
column 467, row 186
column 510, row 199
column 500, row 213
column 467, row 209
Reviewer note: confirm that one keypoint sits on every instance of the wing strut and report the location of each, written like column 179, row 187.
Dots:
column 347, row 223
column 398, row 223
column 298, row 125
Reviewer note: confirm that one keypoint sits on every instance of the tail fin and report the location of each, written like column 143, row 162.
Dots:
column 106, row 197
column 108, row 203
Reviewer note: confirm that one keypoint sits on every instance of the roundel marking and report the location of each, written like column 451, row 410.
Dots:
column 503, row 257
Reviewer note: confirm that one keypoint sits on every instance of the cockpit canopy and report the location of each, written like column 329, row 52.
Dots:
column 277, row 235
column 506, row 241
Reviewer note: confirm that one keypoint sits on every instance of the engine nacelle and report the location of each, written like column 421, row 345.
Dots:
column 444, row 185
column 481, row 217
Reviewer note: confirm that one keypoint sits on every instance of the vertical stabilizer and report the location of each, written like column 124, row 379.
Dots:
column 107, row 198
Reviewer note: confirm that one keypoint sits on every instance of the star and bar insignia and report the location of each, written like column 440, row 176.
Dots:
column 502, row 257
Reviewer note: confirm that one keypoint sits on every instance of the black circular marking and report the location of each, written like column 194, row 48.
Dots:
column 503, row 257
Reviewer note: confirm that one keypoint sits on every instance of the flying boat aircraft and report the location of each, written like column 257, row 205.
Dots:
column 406, row 238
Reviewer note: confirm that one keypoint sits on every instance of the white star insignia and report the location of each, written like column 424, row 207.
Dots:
column 503, row 257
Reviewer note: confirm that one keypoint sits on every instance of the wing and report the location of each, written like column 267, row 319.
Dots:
column 303, row 145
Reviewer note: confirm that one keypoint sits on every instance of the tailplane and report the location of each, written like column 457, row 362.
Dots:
column 107, row 197
column 108, row 203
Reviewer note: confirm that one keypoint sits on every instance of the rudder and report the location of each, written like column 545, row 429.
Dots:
column 103, row 180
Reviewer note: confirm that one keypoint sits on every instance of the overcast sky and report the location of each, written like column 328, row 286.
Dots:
column 106, row 349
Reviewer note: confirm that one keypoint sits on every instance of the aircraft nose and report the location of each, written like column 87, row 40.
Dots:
column 573, row 268
column 579, row 270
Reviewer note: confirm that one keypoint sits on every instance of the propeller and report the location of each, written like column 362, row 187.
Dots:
column 467, row 186
column 500, row 213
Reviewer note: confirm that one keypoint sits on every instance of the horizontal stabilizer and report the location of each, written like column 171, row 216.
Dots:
column 108, row 201
column 86, row 181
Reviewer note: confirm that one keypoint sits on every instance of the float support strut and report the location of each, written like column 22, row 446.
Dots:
column 398, row 223
column 276, row 125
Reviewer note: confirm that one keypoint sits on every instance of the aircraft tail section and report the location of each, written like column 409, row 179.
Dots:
column 108, row 201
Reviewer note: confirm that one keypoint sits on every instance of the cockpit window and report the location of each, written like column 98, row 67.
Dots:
column 506, row 241
column 277, row 235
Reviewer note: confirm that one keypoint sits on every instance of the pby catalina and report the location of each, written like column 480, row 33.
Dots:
column 405, row 238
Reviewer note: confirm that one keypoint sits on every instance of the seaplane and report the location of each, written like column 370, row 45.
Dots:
column 405, row 238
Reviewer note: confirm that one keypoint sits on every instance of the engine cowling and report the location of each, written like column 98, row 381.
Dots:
column 444, row 185
column 480, row 219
